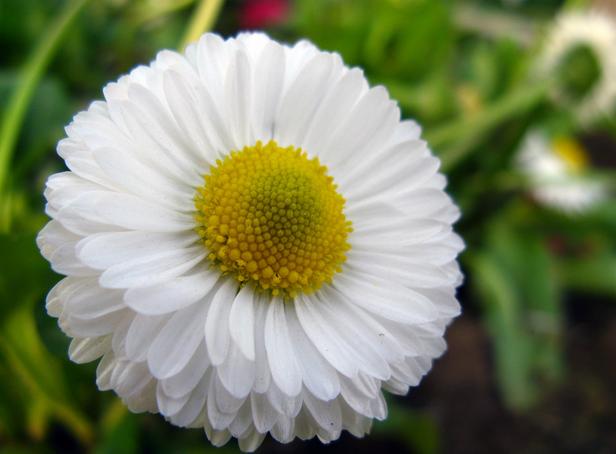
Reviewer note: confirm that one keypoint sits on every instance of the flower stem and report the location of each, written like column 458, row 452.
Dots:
column 31, row 74
column 203, row 20
column 456, row 140
column 491, row 23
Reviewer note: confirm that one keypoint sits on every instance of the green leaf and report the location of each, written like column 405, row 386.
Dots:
column 39, row 373
column 19, row 100
column 516, row 280
column 119, row 431
column 593, row 274
column 415, row 428
column 25, row 276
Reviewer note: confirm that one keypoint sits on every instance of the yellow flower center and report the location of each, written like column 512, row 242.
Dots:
column 571, row 152
column 272, row 216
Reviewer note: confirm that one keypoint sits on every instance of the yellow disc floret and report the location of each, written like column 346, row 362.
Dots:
column 571, row 152
column 272, row 216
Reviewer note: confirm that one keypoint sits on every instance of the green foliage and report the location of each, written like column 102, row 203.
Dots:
column 514, row 276
column 417, row 430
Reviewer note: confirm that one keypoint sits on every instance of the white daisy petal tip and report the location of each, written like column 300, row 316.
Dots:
column 254, row 242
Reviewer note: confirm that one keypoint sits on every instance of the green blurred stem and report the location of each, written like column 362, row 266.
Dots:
column 32, row 72
column 203, row 20
column 147, row 12
column 493, row 23
column 77, row 423
column 454, row 141
column 594, row 275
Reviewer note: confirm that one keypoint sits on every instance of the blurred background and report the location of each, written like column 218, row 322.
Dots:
column 517, row 97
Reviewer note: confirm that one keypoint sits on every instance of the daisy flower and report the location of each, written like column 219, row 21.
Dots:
column 579, row 51
column 556, row 172
column 254, row 242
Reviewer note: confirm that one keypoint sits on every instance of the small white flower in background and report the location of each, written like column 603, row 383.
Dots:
column 556, row 172
column 253, row 242
column 579, row 53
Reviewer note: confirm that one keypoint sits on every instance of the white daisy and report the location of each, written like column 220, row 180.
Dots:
column 556, row 170
column 580, row 51
column 254, row 242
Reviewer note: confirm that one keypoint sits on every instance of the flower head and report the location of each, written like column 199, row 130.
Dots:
column 556, row 169
column 579, row 52
column 253, row 242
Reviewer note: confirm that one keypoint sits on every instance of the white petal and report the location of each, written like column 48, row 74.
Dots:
column 280, row 355
column 118, row 340
column 355, row 398
column 396, row 232
column 269, row 77
column 372, row 121
column 171, row 295
column 237, row 373
column 53, row 236
column 217, row 437
column 64, row 261
column 92, row 327
column 139, row 337
column 445, row 302
column 88, row 349
column 283, row 430
column 262, row 373
column 54, row 303
column 90, row 301
column 177, row 341
column 196, row 402
column 402, row 168
column 169, row 405
column 142, row 180
column 187, row 379
column 131, row 378
column 151, row 270
column 411, row 275
column 103, row 250
column 217, row 336
column 338, row 103
column 385, row 298
column 251, row 441
column 326, row 414
column 218, row 419
column 104, row 370
column 80, row 160
column 123, row 210
column 238, row 99
column 374, row 332
column 318, row 375
column 263, row 414
column 241, row 321
column 283, row 403
column 189, row 115
column 324, row 336
column 225, row 401
column 302, row 99
column 243, row 421
column 156, row 120
column 365, row 353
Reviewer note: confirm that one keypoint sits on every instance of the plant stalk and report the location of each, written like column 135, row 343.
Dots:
column 31, row 74
column 202, row 21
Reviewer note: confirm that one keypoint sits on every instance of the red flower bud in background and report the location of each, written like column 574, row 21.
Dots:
column 262, row 13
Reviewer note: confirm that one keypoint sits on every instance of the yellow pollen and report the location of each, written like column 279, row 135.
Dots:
column 571, row 152
column 272, row 216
